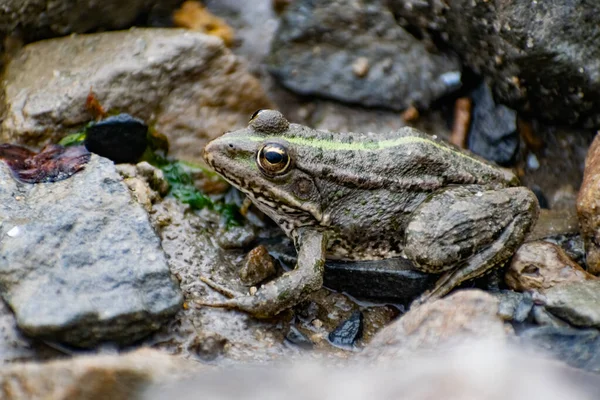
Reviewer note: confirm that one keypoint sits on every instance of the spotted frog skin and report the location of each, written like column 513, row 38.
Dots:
column 352, row 196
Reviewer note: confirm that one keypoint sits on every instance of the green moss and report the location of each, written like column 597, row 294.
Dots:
column 179, row 176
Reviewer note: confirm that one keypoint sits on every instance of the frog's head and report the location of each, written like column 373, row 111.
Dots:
column 260, row 162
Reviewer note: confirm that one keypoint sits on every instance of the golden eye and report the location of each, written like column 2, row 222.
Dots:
column 273, row 159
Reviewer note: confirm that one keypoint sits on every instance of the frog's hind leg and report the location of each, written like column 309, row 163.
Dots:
column 467, row 231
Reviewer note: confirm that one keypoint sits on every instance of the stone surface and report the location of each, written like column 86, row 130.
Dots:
column 543, row 58
column 576, row 303
column 462, row 316
column 357, row 53
column 37, row 19
column 179, row 82
column 79, row 261
column 348, row 332
column 588, row 207
column 259, row 265
column 493, row 133
column 542, row 265
column 115, row 377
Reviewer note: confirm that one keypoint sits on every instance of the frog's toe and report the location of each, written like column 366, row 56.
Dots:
column 220, row 288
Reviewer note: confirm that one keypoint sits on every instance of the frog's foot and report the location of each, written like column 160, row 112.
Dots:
column 219, row 288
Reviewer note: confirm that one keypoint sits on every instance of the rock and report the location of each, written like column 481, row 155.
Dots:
column 554, row 223
column 93, row 377
column 540, row 266
column 543, row 58
column 146, row 183
column 259, row 265
column 179, row 82
column 297, row 338
column 493, row 134
column 588, row 206
column 357, row 54
column 348, row 332
column 395, row 279
column 120, row 138
column 38, row 19
column 463, row 315
column 68, row 249
column 575, row 302
column 579, row 348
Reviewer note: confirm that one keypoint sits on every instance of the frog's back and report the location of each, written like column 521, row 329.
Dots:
column 403, row 159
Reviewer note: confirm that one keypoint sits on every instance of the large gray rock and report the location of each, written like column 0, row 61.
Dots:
column 543, row 57
column 35, row 19
column 79, row 260
column 357, row 53
column 185, row 85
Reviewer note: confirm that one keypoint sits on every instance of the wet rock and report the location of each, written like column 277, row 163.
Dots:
column 576, row 303
column 493, row 134
column 93, row 377
column 348, row 332
column 543, row 58
column 208, row 346
column 53, row 163
column 542, row 265
column 121, row 138
column 572, row 245
column 578, row 348
column 382, row 279
column 178, row 81
column 236, row 237
column 463, row 315
column 39, row 19
column 69, row 249
column 553, row 224
column 588, row 204
column 357, row 54
column 259, row 265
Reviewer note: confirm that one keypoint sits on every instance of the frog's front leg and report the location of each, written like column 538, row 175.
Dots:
column 466, row 231
column 286, row 290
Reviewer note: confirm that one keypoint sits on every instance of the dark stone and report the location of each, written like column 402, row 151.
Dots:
column 348, row 332
column 120, row 138
column 358, row 54
column 79, row 261
column 543, row 58
column 541, row 197
column 394, row 279
column 514, row 306
column 579, row 348
column 493, row 133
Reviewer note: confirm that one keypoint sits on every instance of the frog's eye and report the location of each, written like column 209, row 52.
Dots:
column 273, row 159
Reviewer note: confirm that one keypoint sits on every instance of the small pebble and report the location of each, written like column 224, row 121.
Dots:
column 360, row 67
column 348, row 332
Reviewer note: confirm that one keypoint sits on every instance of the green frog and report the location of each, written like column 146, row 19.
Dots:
column 353, row 196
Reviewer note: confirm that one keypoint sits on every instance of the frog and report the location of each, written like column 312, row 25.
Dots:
column 367, row 196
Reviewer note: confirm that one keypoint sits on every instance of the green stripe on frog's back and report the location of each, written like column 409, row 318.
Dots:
column 336, row 145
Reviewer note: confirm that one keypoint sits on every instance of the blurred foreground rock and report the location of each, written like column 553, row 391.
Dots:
column 185, row 85
column 542, row 57
column 114, row 377
column 357, row 53
column 480, row 370
column 79, row 260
